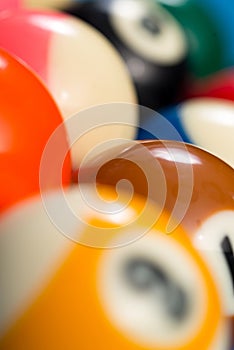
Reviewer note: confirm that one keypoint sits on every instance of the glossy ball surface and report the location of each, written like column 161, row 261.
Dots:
column 194, row 185
column 28, row 117
column 9, row 4
column 79, row 66
column 150, row 40
column 205, row 122
column 203, row 35
column 56, row 49
column 69, row 295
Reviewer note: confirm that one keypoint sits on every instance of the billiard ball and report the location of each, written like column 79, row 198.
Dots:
column 189, row 182
column 59, row 294
column 79, row 66
column 28, row 117
column 149, row 39
column 218, row 85
column 203, row 35
column 9, row 5
column 206, row 122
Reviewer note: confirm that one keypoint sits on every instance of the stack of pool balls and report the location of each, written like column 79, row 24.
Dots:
column 116, row 174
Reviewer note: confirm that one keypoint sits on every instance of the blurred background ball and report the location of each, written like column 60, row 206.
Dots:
column 218, row 85
column 7, row 5
column 205, row 122
column 57, row 293
column 202, row 33
column 79, row 66
column 149, row 39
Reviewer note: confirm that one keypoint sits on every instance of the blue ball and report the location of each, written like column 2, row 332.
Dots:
column 222, row 12
column 161, row 126
column 204, row 122
column 165, row 125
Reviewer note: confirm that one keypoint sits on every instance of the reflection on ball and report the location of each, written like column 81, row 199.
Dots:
column 79, row 66
column 60, row 294
column 205, row 205
column 28, row 117
column 200, row 121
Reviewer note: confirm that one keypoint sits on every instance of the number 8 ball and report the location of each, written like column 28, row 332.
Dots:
column 149, row 39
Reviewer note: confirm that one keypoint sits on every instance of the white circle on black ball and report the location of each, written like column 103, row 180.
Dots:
column 149, row 30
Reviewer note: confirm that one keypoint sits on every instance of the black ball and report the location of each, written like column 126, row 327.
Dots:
column 150, row 41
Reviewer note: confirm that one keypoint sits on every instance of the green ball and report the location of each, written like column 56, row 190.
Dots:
column 204, row 39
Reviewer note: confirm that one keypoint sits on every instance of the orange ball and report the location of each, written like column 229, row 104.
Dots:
column 152, row 290
column 28, row 117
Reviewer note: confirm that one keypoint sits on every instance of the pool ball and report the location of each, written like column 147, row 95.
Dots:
column 28, row 117
column 218, row 85
column 202, row 32
column 59, row 293
column 189, row 182
column 64, row 61
column 79, row 66
column 149, row 39
column 9, row 5
column 206, row 122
